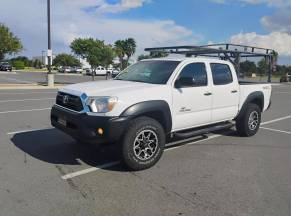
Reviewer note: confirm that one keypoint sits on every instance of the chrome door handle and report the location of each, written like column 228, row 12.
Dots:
column 207, row 93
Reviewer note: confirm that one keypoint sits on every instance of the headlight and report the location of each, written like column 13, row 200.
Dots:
column 101, row 104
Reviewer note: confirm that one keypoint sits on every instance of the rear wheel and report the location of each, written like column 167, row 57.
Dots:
column 249, row 124
column 143, row 143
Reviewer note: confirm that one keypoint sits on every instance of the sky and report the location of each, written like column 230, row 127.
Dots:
column 264, row 23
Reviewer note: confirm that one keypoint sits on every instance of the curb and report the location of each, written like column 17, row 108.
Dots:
column 27, row 71
column 44, row 72
column 10, row 72
column 27, row 86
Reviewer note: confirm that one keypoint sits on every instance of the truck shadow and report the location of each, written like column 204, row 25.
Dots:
column 54, row 147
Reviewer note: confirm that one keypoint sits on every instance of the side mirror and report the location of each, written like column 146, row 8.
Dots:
column 184, row 82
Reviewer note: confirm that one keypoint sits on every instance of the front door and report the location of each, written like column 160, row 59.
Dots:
column 192, row 103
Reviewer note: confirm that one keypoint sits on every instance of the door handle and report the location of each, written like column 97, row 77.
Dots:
column 234, row 91
column 207, row 93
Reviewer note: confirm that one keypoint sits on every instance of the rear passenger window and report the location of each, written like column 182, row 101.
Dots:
column 221, row 74
column 197, row 71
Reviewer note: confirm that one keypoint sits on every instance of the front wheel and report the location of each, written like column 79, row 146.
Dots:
column 249, row 124
column 143, row 143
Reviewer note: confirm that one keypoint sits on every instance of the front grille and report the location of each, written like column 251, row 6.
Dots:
column 71, row 102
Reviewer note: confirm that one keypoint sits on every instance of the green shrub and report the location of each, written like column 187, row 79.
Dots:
column 18, row 65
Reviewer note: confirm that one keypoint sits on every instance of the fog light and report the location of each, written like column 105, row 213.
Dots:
column 100, row 131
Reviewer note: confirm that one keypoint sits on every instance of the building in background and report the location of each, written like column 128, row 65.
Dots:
column 43, row 59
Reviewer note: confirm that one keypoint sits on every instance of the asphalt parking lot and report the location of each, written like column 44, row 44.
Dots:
column 45, row 172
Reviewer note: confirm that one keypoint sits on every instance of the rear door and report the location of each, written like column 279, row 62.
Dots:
column 192, row 104
column 225, row 90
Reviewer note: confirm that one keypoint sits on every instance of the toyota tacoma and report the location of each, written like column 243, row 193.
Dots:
column 157, row 99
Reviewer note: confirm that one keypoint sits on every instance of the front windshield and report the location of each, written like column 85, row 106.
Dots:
column 154, row 72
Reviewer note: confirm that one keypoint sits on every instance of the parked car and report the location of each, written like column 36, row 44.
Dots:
column 77, row 69
column 109, row 70
column 112, row 72
column 115, row 72
column 65, row 69
column 89, row 71
column 5, row 66
column 286, row 78
column 157, row 99
column 100, row 71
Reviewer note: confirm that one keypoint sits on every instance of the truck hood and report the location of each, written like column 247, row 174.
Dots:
column 105, row 88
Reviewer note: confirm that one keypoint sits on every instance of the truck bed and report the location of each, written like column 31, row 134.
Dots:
column 246, row 88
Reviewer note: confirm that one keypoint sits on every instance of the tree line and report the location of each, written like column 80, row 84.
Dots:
column 95, row 51
column 261, row 68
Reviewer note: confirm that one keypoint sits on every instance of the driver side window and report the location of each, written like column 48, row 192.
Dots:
column 196, row 71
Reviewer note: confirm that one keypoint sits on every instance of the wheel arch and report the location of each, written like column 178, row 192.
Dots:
column 156, row 109
column 255, row 98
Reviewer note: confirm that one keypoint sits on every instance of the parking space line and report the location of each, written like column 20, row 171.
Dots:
column 276, row 120
column 282, row 92
column 32, row 99
column 17, row 111
column 25, row 131
column 275, row 130
column 89, row 170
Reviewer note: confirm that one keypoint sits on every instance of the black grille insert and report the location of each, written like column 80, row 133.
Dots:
column 71, row 102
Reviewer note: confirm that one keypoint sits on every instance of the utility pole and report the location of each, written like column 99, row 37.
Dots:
column 270, row 69
column 50, row 75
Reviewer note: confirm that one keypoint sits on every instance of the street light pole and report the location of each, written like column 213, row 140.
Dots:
column 50, row 75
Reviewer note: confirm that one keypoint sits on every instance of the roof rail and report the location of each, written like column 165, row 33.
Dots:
column 212, row 50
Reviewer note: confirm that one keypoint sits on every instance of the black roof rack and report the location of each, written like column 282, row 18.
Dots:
column 225, row 51
column 228, row 48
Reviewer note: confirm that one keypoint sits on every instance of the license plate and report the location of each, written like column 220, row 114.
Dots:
column 62, row 122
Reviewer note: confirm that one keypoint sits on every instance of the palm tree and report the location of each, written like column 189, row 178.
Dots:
column 275, row 56
column 119, row 47
column 130, row 46
column 124, row 48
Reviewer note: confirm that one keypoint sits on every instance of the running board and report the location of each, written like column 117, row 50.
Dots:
column 195, row 132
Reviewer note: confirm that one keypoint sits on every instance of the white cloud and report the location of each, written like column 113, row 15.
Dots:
column 279, row 41
column 70, row 20
column 280, row 21
column 123, row 5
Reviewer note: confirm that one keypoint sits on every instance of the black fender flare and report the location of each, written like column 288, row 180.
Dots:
column 146, row 107
column 257, row 96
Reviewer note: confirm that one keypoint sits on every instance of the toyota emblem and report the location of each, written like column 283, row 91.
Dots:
column 65, row 99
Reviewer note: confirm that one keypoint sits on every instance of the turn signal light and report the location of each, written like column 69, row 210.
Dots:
column 100, row 131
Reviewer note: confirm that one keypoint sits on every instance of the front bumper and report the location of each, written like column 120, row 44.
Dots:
column 84, row 127
column 6, row 69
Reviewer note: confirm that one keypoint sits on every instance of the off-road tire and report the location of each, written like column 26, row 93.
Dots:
column 244, row 125
column 132, row 145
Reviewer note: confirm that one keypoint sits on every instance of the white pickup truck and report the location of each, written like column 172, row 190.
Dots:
column 157, row 99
